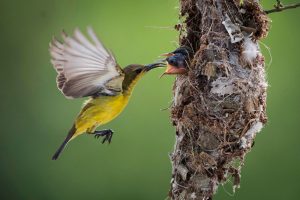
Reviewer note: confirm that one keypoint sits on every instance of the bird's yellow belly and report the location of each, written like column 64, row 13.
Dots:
column 99, row 111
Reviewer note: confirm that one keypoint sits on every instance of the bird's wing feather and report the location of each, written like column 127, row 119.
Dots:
column 84, row 67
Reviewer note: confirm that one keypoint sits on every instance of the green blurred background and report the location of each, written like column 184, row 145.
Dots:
column 35, row 116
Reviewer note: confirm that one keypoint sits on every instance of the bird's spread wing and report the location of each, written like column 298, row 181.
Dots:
column 85, row 67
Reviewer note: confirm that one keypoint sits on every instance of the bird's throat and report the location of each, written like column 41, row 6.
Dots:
column 128, row 86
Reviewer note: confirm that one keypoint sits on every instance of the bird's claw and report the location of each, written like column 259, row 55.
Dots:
column 97, row 136
column 107, row 138
column 107, row 134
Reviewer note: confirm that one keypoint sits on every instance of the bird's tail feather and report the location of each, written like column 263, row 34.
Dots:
column 65, row 142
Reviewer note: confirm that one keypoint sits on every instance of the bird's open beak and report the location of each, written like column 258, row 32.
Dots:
column 171, row 70
column 167, row 54
column 154, row 65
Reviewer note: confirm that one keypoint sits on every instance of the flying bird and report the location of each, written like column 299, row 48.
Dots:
column 86, row 68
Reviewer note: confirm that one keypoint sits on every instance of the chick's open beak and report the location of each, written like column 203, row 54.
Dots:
column 175, row 70
column 167, row 54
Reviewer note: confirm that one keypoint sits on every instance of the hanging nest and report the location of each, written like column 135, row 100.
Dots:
column 221, row 104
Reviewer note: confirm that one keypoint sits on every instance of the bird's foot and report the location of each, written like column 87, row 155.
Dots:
column 107, row 134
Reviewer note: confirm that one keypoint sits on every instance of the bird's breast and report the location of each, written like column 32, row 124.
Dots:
column 101, row 110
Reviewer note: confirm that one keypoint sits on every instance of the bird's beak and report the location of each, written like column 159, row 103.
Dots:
column 172, row 70
column 154, row 65
column 167, row 54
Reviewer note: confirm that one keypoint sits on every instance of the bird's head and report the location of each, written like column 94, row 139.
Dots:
column 135, row 71
column 178, row 60
column 183, row 50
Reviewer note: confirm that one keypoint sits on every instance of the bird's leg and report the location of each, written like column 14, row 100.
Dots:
column 107, row 134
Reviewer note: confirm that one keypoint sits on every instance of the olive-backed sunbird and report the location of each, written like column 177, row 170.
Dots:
column 87, row 69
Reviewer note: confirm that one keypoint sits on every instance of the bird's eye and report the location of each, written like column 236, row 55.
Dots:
column 138, row 71
column 172, row 60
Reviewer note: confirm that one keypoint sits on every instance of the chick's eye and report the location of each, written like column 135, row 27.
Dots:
column 172, row 61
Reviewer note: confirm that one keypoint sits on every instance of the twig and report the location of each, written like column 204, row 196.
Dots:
column 280, row 7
